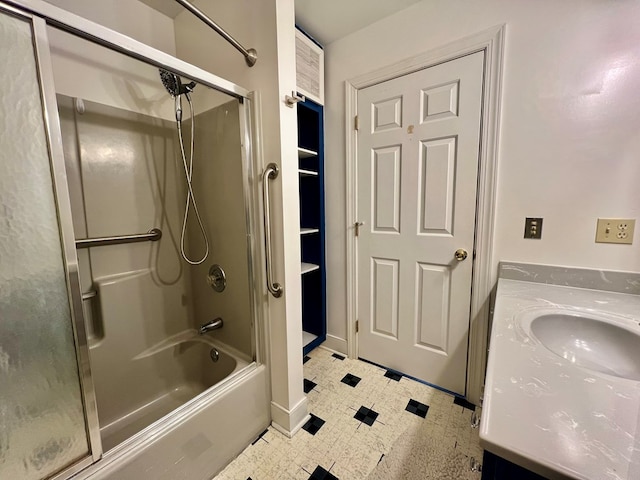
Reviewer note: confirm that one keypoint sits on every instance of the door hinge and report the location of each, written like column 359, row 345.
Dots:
column 356, row 125
column 357, row 326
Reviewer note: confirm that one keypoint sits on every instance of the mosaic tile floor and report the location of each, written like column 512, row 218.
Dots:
column 366, row 422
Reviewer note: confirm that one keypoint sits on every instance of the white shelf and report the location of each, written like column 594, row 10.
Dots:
column 307, row 231
column 307, row 338
column 309, row 267
column 305, row 153
column 308, row 172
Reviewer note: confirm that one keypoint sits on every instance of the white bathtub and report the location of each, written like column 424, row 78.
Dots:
column 197, row 440
column 166, row 410
column 138, row 391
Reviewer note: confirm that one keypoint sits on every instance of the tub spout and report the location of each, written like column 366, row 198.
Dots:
column 212, row 325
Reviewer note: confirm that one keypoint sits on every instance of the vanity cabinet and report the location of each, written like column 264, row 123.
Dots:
column 497, row 468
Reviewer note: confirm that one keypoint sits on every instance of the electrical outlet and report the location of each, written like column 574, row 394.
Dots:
column 532, row 228
column 615, row 230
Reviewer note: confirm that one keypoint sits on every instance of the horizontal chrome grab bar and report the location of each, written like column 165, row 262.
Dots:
column 270, row 173
column 153, row 235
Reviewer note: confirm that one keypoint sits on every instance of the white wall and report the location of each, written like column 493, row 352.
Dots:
column 569, row 142
column 129, row 17
column 91, row 72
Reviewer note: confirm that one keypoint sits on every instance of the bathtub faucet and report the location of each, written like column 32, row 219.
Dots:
column 212, row 325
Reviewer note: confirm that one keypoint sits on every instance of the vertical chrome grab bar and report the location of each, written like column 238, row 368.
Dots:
column 270, row 173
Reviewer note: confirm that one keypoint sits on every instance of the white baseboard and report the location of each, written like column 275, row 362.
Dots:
column 288, row 422
column 336, row 344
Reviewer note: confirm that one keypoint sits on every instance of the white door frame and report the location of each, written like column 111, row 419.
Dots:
column 491, row 41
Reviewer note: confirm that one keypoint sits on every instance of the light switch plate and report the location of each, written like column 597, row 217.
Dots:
column 533, row 227
column 615, row 230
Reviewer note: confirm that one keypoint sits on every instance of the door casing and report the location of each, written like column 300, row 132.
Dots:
column 491, row 41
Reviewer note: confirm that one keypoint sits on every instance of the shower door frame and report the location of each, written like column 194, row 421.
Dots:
column 51, row 124
column 40, row 15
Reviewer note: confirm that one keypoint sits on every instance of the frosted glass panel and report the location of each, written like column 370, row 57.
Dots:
column 42, row 427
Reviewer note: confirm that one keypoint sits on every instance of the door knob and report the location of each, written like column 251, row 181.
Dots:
column 461, row 254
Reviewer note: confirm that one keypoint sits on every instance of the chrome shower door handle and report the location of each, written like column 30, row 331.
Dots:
column 270, row 173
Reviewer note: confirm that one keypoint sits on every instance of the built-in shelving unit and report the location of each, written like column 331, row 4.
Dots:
column 308, row 267
column 305, row 153
column 310, row 164
column 309, row 69
column 308, row 338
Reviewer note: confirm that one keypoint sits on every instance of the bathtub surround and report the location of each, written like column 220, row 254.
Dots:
column 544, row 411
column 149, row 303
column 219, row 171
column 366, row 423
column 124, row 174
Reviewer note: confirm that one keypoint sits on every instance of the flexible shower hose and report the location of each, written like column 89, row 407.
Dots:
column 188, row 171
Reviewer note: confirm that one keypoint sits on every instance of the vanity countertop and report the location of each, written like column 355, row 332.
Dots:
column 544, row 412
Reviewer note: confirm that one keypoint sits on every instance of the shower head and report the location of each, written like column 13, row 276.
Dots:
column 173, row 84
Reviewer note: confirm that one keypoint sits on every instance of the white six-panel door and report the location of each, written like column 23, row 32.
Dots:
column 417, row 170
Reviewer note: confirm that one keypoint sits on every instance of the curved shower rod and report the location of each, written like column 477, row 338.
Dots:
column 250, row 55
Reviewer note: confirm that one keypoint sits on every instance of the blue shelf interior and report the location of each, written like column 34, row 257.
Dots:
column 310, row 137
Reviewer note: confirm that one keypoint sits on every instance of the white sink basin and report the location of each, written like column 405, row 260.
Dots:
column 562, row 391
column 596, row 344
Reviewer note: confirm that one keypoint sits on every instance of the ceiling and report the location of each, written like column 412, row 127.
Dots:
column 325, row 20
column 329, row 20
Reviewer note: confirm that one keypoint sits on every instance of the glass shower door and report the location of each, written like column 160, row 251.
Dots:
column 47, row 413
